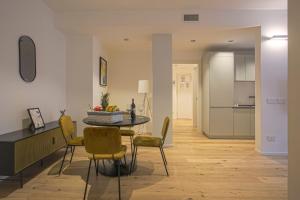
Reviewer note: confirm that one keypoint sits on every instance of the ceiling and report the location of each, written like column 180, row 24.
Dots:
column 204, row 38
column 137, row 20
column 108, row 5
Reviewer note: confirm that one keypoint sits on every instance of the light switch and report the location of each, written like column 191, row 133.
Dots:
column 273, row 100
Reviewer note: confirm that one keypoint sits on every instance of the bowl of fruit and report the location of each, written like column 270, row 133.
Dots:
column 111, row 114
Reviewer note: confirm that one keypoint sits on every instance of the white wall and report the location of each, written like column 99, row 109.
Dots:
column 79, row 91
column 47, row 91
column 273, row 74
column 98, row 50
column 125, row 68
column 293, row 102
column 83, row 90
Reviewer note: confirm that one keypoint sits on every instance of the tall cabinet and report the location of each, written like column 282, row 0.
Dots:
column 221, row 117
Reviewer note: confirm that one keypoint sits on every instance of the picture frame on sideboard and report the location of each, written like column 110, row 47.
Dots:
column 36, row 118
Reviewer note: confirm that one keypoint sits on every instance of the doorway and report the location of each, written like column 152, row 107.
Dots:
column 185, row 92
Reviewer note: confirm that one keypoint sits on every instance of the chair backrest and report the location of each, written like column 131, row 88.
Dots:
column 102, row 140
column 165, row 128
column 67, row 126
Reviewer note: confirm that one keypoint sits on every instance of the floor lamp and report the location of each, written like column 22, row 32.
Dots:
column 143, row 88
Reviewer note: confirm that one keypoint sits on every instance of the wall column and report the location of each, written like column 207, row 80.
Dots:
column 293, row 100
column 162, row 83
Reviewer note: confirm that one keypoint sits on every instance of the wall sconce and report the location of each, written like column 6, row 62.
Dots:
column 279, row 37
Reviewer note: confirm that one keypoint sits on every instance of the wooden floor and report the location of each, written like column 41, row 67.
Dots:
column 199, row 168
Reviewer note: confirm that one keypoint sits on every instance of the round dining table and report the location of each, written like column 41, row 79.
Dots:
column 108, row 168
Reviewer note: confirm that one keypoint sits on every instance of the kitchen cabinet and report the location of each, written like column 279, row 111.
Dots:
column 242, row 122
column 219, row 71
column 244, row 66
column 252, row 122
column 221, row 122
column 221, row 80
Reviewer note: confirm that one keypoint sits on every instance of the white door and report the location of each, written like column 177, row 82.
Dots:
column 184, row 96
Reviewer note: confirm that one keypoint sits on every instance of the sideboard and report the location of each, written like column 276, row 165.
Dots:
column 20, row 149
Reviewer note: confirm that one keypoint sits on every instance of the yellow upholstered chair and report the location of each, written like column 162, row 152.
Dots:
column 104, row 143
column 128, row 133
column 150, row 141
column 68, row 130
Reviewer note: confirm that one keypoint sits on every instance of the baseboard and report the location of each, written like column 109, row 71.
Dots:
column 272, row 153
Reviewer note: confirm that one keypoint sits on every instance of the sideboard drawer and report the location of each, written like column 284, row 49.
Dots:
column 30, row 150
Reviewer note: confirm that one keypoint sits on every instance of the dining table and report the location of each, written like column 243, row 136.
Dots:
column 108, row 167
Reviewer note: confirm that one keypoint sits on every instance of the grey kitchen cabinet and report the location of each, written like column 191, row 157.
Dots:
column 219, row 71
column 239, row 62
column 221, row 122
column 242, row 119
column 252, row 122
column 222, row 80
column 250, row 67
column 244, row 66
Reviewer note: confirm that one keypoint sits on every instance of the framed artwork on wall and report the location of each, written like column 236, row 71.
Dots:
column 36, row 118
column 103, row 72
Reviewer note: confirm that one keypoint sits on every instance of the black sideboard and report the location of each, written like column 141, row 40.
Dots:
column 20, row 149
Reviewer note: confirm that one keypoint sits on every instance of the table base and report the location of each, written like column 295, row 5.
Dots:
column 110, row 167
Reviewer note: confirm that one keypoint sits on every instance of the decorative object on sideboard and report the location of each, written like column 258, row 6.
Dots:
column 36, row 118
column 103, row 72
column 62, row 112
column 105, row 100
column 27, row 58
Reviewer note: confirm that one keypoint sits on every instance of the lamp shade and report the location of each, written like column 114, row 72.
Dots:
column 143, row 87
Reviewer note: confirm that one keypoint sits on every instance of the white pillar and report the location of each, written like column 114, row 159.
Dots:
column 162, row 83
column 293, row 100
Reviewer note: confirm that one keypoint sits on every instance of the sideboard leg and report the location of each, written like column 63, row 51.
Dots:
column 21, row 179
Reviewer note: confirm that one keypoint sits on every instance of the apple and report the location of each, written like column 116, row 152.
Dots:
column 97, row 108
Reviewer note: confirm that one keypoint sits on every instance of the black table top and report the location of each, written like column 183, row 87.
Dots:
column 127, row 122
column 26, row 133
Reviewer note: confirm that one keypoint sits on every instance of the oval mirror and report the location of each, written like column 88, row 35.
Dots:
column 27, row 58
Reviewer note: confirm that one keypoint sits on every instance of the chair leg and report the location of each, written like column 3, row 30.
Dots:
column 161, row 151
column 87, row 179
column 72, row 151
column 131, row 144
column 96, row 166
column 21, row 179
column 119, row 181
column 164, row 155
column 134, row 159
column 103, row 163
column 125, row 160
column 62, row 162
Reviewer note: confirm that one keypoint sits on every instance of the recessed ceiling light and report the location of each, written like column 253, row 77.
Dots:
column 126, row 39
column 193, row 41
column 230, row 41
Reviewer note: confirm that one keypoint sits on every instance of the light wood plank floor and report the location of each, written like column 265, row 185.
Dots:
column 199, row 169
